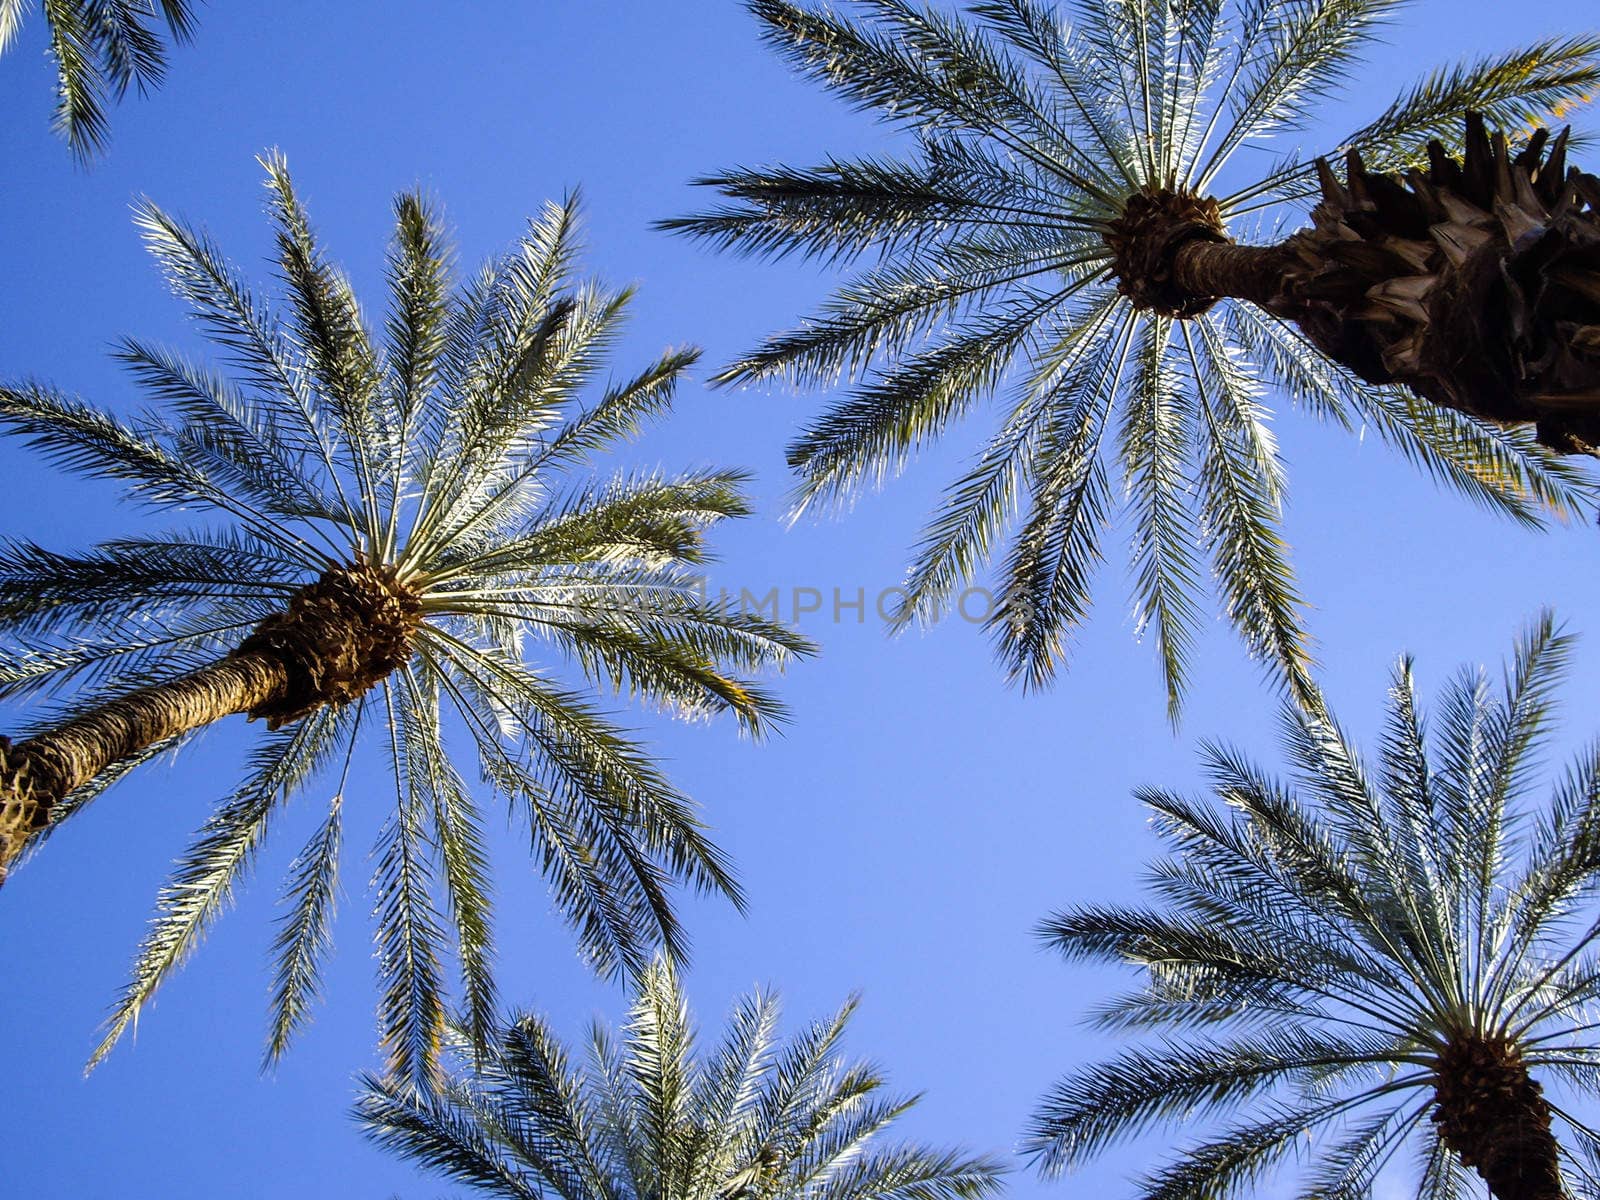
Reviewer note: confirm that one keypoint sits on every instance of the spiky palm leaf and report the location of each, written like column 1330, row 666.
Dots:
column 1032, row 129
column 650, row 1119
column 1375, row 952
column 101, row 48
column 456, row 452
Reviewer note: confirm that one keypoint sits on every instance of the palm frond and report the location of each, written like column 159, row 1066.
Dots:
column 1518, row 89
column 1297, row 51
column 1502, row 470
column 409, row 936
column 1125, row 1095
column 43, row 591
column 305, row 931
column 842, row 209
column 81, row 97
column 1156, row 435
column 1240, row 504
column 463, row 854
column 1513, row 90
column 1046, row 576
column 623, row 410
column 549, row 1111
column 202, row 883
column 883, row 423
column 439, row 1132
column 417, row 330
column 11, row 13
column 1240, row 1157
column 327, row 329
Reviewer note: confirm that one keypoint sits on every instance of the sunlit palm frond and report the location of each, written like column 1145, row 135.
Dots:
column 101, row 49
column 202, row 884
column 650, row 1118
column 304, row 934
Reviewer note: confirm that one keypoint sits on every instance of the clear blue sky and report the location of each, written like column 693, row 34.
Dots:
column 918, row 818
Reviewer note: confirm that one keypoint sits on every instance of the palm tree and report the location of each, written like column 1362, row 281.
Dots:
column 101, row 48
column 649, row 1121
column 1369, row 955
column 1057, row 234
column 395, row 522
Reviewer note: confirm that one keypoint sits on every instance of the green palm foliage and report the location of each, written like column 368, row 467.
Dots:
column 990, row 280
column 648, row 1119
column 101, row 49
column 455, row 446
column 1372, row 958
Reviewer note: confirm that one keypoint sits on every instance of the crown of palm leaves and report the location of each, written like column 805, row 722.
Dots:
column 453, row 457
column 647, row 1119
column 1031, row 129
column 1374, row 955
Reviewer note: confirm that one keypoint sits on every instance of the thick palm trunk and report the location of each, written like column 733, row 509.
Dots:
column 37, row 773
column 1493, row 1114
column 1253, row 273
column 340, row 635
column 1476, row 284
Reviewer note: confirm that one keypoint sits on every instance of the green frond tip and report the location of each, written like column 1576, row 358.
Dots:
column 647, row 1113
column 985, row 291
column 101, row 49
column 394, row 528
column 304, row 932
column 1381, row 951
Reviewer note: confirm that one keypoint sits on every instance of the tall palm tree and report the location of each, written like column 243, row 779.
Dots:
column 101, row 48
column 649, row 1120
column 1374, row 954
column 397, row 522
column 1057, row 235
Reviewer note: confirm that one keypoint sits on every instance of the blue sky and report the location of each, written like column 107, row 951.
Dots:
column 919, row 816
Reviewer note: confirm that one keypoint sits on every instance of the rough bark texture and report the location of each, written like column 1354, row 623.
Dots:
column 1476, row 283
column 37, row 773
column 339, row 636
column 1146, row 240
column 1216, row 269
column 1493, row 1114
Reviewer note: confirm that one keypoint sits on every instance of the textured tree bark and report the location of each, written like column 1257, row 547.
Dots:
column 35, row 774
column 1217, row 269
column 1475, row 284
column 1493, row 1114
column 340, row 635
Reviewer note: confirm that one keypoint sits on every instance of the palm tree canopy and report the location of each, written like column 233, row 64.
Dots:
column 1323, row 955
column 101, row 48
column 447, row 461
column 1034, row 133
column 647, row 1118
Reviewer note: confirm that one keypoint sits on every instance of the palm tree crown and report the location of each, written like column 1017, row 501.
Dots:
column 397, row 521
column 648, row 1120
column 1012, row 257
column 1375, row 954
column 101, row 48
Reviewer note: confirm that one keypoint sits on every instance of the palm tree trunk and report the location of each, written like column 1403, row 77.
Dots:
column 340, row 635
column 1217, row 269
column 1493, row 1114
column 1475, row 284
column 37, row 773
